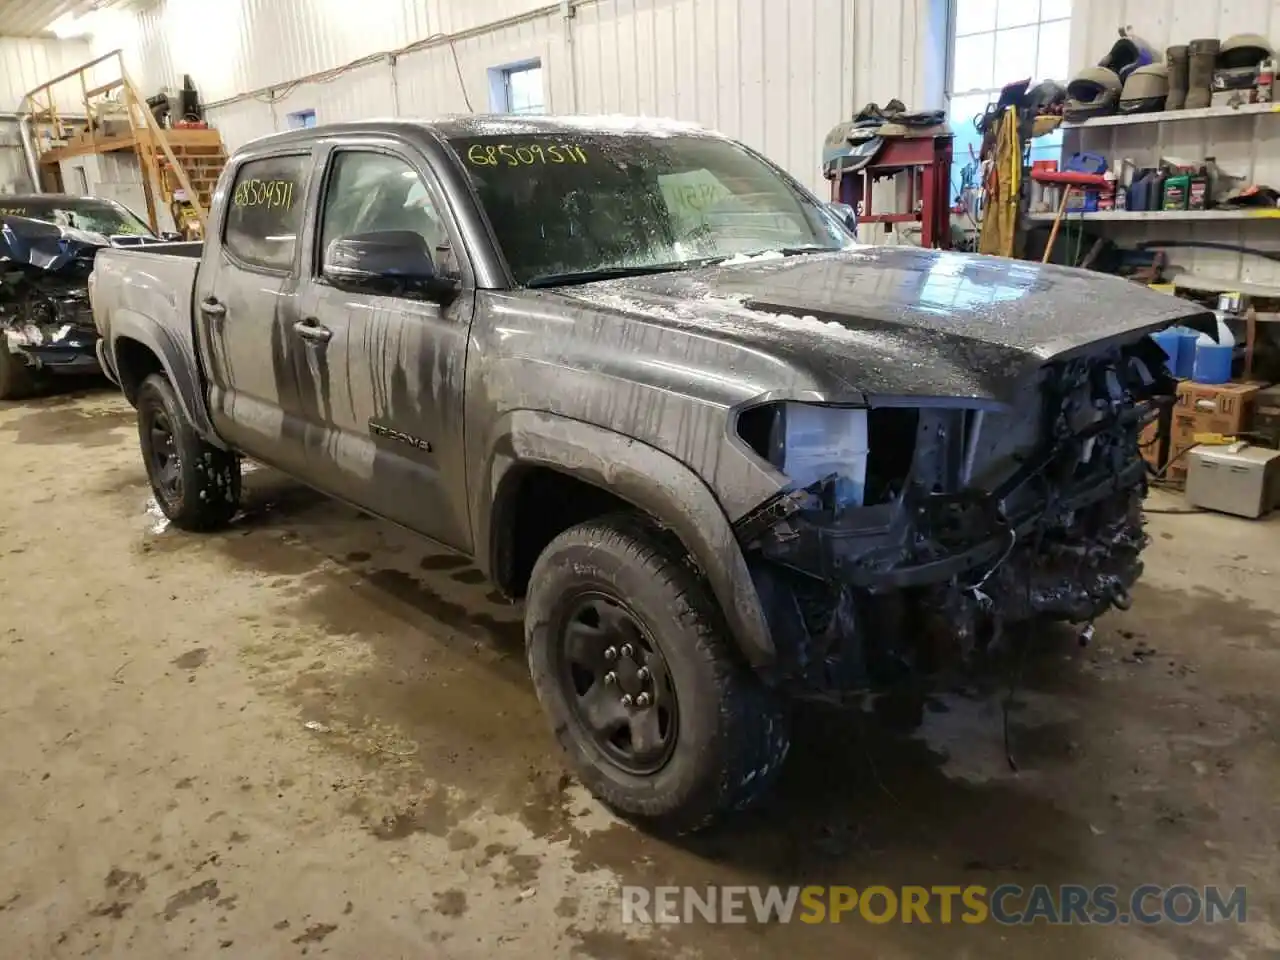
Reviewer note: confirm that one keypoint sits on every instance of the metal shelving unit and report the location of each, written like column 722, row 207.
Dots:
column 1175, row 116
column 1164, row 216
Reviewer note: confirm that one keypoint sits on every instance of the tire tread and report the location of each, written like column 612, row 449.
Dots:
column 752, row 740
column 217, row 471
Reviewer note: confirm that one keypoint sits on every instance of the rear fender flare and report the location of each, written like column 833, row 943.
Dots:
column 645, row 477
column 174, row 359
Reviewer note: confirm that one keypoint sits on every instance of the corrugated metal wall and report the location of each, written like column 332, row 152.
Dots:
column 776, row 73
column 1247, row 146
column 13, row 168
column 26, row 63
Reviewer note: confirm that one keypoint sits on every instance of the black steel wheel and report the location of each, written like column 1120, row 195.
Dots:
column 617, row 683
column 166, row 462
column 196, row 484
column 632, row 663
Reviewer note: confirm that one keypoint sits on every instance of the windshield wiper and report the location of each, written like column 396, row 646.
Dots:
column 766, row 253
column 607, row 273
column 808, row 248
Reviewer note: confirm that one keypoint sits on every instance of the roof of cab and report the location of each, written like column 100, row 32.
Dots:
column 486, row 125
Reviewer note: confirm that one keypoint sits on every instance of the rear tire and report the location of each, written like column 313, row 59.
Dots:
column 16, row 378
column 196, row 484
column 619, row 584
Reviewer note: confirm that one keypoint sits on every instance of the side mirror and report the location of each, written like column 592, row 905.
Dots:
column 394, row 262
column 847, row 216
column 171, row 236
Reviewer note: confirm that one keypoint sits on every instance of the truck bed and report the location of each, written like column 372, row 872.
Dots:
column 154, row 281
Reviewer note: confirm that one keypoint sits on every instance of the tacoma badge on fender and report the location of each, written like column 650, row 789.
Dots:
column 399, row 436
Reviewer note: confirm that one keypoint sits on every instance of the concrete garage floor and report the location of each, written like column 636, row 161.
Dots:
column 314, row 734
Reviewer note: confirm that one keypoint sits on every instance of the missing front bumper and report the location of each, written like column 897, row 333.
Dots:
column 868, row 602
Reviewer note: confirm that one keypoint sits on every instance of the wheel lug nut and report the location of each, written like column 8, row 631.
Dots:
column 610, row 678
column 611, row 653
column 642, row 700
column 626, row 699
column 643, row 673
column 626, row 650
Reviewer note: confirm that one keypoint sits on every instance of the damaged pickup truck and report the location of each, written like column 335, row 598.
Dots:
column 728, row 457
column 47, row 246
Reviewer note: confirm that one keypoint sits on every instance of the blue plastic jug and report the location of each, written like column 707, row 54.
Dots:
column 1213, row 362
column 1170, row 342
column 1187, row 339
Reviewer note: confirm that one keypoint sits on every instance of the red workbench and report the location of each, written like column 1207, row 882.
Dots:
column 927, row 163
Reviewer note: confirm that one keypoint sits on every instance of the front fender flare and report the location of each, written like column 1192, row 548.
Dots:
column 651, row 480
column 175, row 359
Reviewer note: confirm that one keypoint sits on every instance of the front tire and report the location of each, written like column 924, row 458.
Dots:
column 196, row 485
column 631, row 661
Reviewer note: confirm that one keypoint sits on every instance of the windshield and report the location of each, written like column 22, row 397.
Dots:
column 96, row 216
column 575, row 206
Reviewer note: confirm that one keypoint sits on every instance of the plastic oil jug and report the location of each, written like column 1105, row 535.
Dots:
column 1177, row 189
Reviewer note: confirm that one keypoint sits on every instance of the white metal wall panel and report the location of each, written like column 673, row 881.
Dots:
column 243, row 45
column 426, row 18
column 776, row 75
column 362, row 93
column 27, row 63
column 1245, row 146
column 147, row 48
column 900, row 51
column 428, row 83
column 242, row 121
column 13, row 166
column 13, row 170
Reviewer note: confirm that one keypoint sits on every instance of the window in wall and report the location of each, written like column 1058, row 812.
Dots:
column 301, row 119
column 994, row 42
column 517, row 88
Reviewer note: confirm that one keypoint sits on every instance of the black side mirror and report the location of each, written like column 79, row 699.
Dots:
column 393, row 262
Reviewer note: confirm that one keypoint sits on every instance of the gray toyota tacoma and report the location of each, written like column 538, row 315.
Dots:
column 728, row 457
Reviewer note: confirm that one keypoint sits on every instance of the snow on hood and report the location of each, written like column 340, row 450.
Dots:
column 643, row 126
column 741, row 258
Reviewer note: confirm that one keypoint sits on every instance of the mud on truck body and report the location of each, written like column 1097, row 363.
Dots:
column 727, row 456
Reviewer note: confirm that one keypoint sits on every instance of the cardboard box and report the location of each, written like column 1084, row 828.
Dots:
column 1150, row 446
column 1225, row 408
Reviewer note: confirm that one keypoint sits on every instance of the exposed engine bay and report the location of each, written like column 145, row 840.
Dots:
column 938, row 524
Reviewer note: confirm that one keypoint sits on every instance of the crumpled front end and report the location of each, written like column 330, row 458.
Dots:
column 954, row 522
column 45, row 315
column 51, row 326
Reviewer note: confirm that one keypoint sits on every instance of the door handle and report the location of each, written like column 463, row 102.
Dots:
column 309, row 329
column 210, row 307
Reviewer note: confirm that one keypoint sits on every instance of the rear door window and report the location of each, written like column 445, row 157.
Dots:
column 264, row 211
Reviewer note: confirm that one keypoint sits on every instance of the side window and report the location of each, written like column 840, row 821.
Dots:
column 371, row 192
column 265, row 211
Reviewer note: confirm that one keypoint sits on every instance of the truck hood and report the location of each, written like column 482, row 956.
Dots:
column 902, row 321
